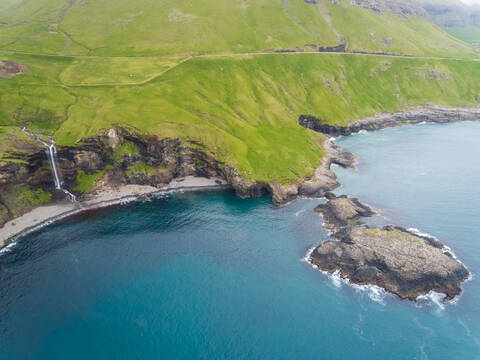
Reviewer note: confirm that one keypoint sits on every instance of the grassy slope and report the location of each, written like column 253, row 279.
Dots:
column 245, row 109
column 13, row 141
column 242, row 108
column 179, row 27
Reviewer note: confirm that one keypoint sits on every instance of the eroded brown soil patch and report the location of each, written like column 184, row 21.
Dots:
column 9, row 69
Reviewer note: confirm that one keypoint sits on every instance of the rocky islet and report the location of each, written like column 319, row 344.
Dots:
column 398, row 260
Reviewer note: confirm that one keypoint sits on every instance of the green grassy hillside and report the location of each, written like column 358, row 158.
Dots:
column 181, row 27
column 244, row 109
column 92, row 64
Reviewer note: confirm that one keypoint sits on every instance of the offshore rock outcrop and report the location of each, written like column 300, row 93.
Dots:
column 342, row 211
column 402, row 262
column 411, row 115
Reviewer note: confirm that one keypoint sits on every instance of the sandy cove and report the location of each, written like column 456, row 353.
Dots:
column 42, row 215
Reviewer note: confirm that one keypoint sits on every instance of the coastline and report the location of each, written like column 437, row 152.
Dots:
column 47, row 214
column 342, row 257
column 318, row 185
column 407, row 116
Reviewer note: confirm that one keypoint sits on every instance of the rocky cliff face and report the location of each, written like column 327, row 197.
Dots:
column 404, row 7
column 413, row 115
column 117, row 157
column 452, row 14
column 324, row 180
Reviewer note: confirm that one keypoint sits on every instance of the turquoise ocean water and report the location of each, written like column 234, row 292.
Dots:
column 210, row 276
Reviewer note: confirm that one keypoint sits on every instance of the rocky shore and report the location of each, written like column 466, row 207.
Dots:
column 411, row 115
column 105, row 197
column 122, row 157
column 402, row 262
column 399, row 261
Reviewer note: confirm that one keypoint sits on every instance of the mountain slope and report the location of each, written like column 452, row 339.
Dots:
column 457, row 18
column 226, row 79
column 179, row 27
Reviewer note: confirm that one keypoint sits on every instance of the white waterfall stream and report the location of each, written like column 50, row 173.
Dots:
column 51, row 152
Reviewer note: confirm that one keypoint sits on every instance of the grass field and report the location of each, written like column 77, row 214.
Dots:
column 185, row 27
column 243, row 109
column 187, row 69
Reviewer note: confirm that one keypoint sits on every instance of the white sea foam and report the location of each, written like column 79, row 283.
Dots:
column 431, row 299
column 336, row 278
column 447, row 250
column 298, row 213
column 417, row 232
column 374, row 292
column 8, row 248
column 308, row 255
column 363, row 132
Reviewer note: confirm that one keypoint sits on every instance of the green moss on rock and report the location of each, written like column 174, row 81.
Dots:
column 19, row 199
column 86, row 182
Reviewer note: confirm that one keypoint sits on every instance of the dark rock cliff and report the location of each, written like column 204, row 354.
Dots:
column 117, row 157
column 412, row 115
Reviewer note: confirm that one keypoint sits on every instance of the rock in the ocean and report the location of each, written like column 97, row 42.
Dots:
column 401, row 262
column 342, row 211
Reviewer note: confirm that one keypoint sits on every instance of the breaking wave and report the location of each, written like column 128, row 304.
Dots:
column 431, row 299
column 375, row 293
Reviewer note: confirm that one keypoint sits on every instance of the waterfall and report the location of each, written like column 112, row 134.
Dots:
column 51, row 152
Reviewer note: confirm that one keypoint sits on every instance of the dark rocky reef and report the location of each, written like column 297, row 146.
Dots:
column 393, row 258
column 415, row 115
column 342, row 211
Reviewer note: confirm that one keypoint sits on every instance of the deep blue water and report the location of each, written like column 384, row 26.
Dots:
column 210, row 276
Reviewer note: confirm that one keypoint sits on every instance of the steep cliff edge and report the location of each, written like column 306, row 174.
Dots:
column 410, row 115
column 123, row 155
